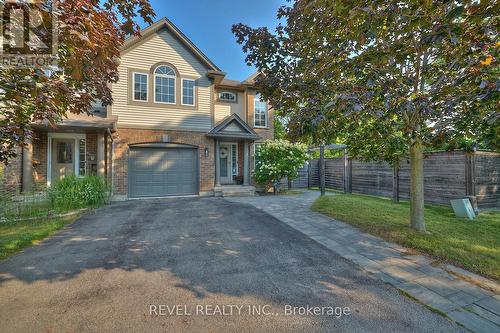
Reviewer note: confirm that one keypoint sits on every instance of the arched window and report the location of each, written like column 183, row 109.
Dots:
column 164, row 84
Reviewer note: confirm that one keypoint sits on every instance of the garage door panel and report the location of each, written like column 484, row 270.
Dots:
column 149, row 177
column 163, row 172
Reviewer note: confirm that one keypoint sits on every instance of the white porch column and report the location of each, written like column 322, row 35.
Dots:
column 100, row 154
column 27, row 176
column 246, row 164
column 217, row 162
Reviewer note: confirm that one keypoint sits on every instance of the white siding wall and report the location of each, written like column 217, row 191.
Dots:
column 162, row 47
column 222, row 110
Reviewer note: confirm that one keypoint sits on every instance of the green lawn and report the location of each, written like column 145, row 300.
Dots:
column 15, row 236
column 473, row 245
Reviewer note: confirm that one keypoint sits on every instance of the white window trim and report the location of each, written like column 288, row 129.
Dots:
column 228, row 100
column 133, row 87
column 165, row 76
column 76, row 151
column 265, row 114
column 194, row 92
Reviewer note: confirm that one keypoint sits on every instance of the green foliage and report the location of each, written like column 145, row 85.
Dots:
column 15, row 236
column 329, row 153
column 472, row 245
column 279, row 129
column 79, row 192
column 277, row 159
column 466, row 144
column 90, row 35
column 381, row 74
column 388, row 76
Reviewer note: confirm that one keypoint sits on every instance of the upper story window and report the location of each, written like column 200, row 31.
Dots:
column 188, row 92
column 260, row 112
column 227, row 96
column 164, row 85
column 140, row 85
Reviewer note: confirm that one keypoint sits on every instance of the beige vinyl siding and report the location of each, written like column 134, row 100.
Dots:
column 224, row 109
column 162, row 47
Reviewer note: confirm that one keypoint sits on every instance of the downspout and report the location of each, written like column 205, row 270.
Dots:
column 112, row 162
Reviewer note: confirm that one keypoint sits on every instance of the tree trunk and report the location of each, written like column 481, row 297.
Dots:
column 417, row 186
column 322, row 169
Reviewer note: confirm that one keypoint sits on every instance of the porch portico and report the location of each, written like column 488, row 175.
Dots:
column 78, row 146
column 233, row 138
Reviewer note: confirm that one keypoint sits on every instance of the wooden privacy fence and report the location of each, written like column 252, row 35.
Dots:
column 447, row 175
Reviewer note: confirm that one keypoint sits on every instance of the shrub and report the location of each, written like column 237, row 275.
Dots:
column 277, row 159
column 79, row 192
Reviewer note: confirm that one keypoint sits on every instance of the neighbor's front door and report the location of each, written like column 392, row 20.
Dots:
column 63, row 158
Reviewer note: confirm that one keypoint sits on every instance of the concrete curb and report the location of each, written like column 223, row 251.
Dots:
column 478, row 280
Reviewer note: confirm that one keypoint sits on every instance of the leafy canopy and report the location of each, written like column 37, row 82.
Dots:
column 382, row 74
column 90, row 35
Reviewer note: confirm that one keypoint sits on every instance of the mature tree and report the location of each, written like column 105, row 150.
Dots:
column 90, row 35
column 387, row 72
column 277, row 159
column 279, row 128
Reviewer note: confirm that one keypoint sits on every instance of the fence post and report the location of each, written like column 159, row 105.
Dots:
column 309, row 174
column 395, row 183
column 346, row 162
column 322, row 169
column 347, row 173
column 469, row 174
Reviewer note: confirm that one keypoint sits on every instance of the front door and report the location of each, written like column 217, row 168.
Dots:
column 228, row 158
column 225, row 163
column 63, row 158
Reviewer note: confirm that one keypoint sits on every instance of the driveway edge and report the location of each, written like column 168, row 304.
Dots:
column 476, row 308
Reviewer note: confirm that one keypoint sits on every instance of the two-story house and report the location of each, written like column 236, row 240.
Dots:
column 177, row 126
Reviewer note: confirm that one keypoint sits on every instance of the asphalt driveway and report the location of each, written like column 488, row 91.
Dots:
column 195, row 265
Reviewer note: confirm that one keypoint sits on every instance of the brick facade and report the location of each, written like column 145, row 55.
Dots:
column 125, row 137
column 40, row 146
column 40, row 141
column 10, row 176
column 13, row 172
column 91, row 154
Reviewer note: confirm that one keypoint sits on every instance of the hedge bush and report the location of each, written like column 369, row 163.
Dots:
column 79, row 192
column 277, row 159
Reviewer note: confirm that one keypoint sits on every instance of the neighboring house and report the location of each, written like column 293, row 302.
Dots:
column 176, row 126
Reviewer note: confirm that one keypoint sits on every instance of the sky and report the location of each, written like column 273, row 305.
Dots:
column 208, row 24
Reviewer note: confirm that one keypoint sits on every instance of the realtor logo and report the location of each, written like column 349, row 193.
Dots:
column 28, row 33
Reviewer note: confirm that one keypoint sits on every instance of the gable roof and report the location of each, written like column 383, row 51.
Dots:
column 233, row 127
column 251, row 78
column 165, row 23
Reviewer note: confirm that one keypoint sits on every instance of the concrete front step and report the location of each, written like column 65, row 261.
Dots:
column 234, row 191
